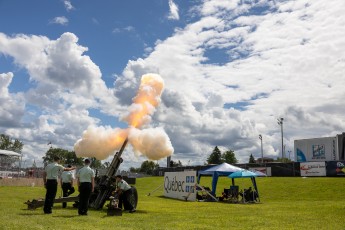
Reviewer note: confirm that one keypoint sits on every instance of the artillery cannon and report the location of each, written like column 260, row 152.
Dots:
column 104, row 186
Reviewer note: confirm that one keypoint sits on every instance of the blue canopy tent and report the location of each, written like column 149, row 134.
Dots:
column 247, row 174
column 224, row 169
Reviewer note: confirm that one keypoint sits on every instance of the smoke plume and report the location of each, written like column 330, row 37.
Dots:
column 154, row 143
column 147, row 99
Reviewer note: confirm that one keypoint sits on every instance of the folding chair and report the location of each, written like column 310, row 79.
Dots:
column 233, row 193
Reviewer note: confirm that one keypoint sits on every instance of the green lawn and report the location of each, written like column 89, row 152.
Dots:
column 286, row 203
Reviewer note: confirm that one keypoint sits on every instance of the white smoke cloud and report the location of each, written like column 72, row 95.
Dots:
column 100, row 142
column 154, row 143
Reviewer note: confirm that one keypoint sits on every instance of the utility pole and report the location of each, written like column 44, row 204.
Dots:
column 280, row 122
column 168, row 161
column 262, row 152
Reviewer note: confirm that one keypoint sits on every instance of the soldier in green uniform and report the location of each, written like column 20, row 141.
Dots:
column 86, row 185
column 124, row 190
column 50, row 180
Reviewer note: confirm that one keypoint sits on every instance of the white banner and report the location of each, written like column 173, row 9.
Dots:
column 266, row 170
column 180, row 185
column 313, row 168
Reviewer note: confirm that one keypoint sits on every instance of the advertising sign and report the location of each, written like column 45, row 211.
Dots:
column 335, row 168
column 180, row 185
column 313, row 169
column 316, row 149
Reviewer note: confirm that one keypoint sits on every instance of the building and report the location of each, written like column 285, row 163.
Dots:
column 265, row 160
column 320, row 149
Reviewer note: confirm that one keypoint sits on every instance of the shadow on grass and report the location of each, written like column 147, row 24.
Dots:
column 32, row 214
column 43, row 214
column 66, row 216
column 169, row 198
column 179, row 200
column 239, row 203
column 211, row 201
column 125, row 213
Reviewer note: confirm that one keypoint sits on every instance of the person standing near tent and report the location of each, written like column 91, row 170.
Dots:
column 66, row 182
column 50, row 180
column 86, row 185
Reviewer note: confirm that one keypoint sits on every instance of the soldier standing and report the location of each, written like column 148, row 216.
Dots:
column 86, row 185
column 50, row 180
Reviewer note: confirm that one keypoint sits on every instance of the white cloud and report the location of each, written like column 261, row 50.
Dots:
column 62, row 20
column 67, row 84
column 11, row 105
column 290, row 62
column 124, row 29
column 173, row 11
column 68, row 5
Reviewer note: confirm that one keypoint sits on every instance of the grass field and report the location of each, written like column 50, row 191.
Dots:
column 286, row 203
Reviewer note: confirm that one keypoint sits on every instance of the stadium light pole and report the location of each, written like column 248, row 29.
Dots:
column 289, row 151
column 262, row 152
column 280, row 122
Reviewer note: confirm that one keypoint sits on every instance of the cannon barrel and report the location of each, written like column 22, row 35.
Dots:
column 117, row 160
column 104, row 186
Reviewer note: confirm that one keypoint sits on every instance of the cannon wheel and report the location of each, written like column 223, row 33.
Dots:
column 133, row 198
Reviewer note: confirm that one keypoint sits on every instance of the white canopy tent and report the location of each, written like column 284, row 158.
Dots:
column 9, row 153
column 8, row 158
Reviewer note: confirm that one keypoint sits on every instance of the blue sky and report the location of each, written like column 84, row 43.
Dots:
column 230, row 69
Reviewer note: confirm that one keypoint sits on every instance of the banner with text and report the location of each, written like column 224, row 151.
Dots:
column 313, row 168
column 180, row 185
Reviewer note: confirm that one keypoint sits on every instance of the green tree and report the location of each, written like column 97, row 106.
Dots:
column 215, row 157
column 175, row 164
column 251, row 159
column 148, row 167
column 7, row 143
column 229, row 157
column 66, row 157
column 134, row 170
column 285, row 160
column 95, row 163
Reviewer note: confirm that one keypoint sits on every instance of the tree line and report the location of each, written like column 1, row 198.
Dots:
column 69, row 157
